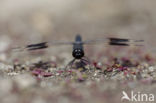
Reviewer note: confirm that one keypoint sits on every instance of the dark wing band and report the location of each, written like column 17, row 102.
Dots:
column 115, row 41
column 38, row 46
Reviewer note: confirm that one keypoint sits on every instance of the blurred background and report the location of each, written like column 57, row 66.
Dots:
column 31, row 21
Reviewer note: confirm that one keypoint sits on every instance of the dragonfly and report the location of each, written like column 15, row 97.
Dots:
column 78, row 46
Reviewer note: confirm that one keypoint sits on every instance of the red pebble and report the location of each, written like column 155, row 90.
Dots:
column 109, row 69
column 70, row 71
column 46, row 74
column 125, row 73
column 134, row 73
column 54, row 64
column 80, row 79
column 122, row 68
column 37, row 72
column 60, row 71
column 97, row 66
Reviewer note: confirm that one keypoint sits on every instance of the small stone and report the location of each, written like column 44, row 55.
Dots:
column 13, row 74
column 46, row 74
column 151, row 69
column 37, row 72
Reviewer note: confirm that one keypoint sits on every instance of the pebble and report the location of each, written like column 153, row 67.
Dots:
column 13, row 73
column 151, row 68
column 3, row 66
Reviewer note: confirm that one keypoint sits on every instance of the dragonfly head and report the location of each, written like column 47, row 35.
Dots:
column 78, row 53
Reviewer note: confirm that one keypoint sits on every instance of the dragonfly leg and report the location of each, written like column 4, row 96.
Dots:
column 82, row 64
column 70, row 64
column 86, row 60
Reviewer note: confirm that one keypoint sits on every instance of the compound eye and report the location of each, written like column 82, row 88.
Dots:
column 76, row 50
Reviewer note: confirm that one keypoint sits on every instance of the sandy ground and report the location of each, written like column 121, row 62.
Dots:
column 40, row 76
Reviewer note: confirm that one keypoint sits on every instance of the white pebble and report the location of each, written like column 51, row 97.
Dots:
column 151, row 69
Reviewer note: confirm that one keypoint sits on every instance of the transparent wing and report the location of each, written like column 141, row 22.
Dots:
column 41, row 45
column 108, row 41
column 60, row 43
column 116, row 41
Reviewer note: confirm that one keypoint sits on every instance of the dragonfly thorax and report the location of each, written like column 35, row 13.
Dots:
column 78, row 53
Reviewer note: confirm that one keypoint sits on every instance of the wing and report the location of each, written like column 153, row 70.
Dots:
column 109, row 41
column 41, row 45
column 116, row 41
